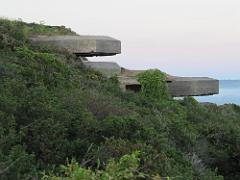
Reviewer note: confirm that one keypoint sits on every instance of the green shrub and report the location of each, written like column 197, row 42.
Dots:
column 153, row 85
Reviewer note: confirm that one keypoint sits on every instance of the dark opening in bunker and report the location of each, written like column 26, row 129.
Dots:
column 133, row 87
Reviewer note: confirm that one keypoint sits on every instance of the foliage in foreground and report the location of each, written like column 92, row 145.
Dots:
column 52, row 108
column 126, row 168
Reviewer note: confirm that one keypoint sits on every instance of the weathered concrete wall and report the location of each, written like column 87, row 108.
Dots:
column 85, row 46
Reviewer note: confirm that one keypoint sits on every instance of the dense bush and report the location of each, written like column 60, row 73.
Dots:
column 153, row 85
column 52, row 108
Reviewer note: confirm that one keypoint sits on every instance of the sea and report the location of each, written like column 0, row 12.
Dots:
column 229, row 93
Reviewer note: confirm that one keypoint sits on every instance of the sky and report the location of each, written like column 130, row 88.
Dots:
column 180, row 37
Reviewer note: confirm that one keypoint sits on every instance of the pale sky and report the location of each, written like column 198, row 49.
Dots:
column 180, row 37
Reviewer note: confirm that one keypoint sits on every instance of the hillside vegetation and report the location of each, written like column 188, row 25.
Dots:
column 60, row 120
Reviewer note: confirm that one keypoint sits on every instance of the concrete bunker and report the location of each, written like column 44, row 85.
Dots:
column 88, row 46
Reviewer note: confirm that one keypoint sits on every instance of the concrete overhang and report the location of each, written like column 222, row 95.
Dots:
column 85, row 46
column 192, row 86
